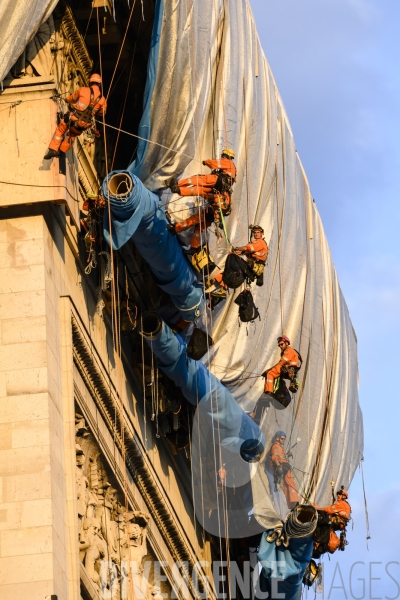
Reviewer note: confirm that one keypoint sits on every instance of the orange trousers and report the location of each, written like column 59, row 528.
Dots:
column 290, row 489
column 64, row 136
column 197, row 185
column 218, row 279
column 201, row 220
column 271, row 375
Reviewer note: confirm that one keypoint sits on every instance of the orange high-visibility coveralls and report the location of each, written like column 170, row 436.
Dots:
column 340, row 512
column 278, row 458
column 203, row 218
column 290, row 358
column 65, row 134
column 341, row 508
column 201, row 185
column 200, row 221
column 257, row 249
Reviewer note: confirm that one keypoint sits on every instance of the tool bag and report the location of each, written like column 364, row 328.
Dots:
column 248, row 311
column 198, row 344
column 281, row 393
column 202, row 259
column 258, row 268
column 312, row 572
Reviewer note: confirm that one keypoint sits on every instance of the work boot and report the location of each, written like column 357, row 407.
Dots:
column 190, row 251
column 294, row 386
column 171, row 229
column 173, row 185
column 260, row 280
column 219, row 293
column 172, row 181
column 51, row 154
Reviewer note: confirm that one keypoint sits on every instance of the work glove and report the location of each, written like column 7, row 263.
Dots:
column 203, row 162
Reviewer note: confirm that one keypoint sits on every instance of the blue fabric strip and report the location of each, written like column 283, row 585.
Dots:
column 141, row 217
column 145, row 122
column 201, row 388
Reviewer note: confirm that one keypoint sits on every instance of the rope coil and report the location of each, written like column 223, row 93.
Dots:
column 300, row 522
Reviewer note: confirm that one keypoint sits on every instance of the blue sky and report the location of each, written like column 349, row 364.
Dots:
column 336, row 64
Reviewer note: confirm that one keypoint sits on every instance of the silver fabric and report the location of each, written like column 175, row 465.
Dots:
column 214, row 89
column 19, row 22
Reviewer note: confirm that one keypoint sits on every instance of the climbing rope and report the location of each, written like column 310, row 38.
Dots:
column 368, row 537
column 121, row 47
column 125, row 99
column 295, row 527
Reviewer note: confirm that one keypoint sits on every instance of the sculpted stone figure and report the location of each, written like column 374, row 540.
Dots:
column 81, row 487
column 80, row 426
column 136, row 537
column 94, row 547
column 107, row 531
column 36, row 59
column 109, row 526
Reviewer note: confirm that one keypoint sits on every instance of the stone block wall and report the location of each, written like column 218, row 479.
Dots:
column 32, row 476
column 41, row 285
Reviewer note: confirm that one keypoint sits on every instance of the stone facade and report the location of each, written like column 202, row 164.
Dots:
column 83, row 477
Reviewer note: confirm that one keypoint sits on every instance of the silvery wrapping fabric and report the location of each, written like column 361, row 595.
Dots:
column 213, row 89
column 19, row 21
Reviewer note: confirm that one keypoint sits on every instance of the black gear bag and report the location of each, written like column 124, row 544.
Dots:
column 248, row 311
column 236, row 271
column 198, row 344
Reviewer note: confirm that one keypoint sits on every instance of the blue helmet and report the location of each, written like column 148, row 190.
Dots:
column 279, row 433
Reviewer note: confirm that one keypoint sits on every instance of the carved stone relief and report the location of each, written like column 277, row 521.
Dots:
column 107, row 530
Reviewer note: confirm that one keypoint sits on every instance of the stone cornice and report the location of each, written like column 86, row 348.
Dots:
column 77, row 44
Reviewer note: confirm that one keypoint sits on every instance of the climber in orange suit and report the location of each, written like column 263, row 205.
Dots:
column 254, row 253
column 257, row 249
column 283, row 474
column 336, row 518
column 340, row 509
column 204, row 217
column 289, row 360
column 223, row 175
column 84, row 104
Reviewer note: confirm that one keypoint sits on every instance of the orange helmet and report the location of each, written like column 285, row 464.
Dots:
column 283, row 338
column 95, row 78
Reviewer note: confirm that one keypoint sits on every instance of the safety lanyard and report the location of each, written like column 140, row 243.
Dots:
column 223, row 224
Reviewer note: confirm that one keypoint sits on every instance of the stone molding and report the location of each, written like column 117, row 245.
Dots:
column 106, row 399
